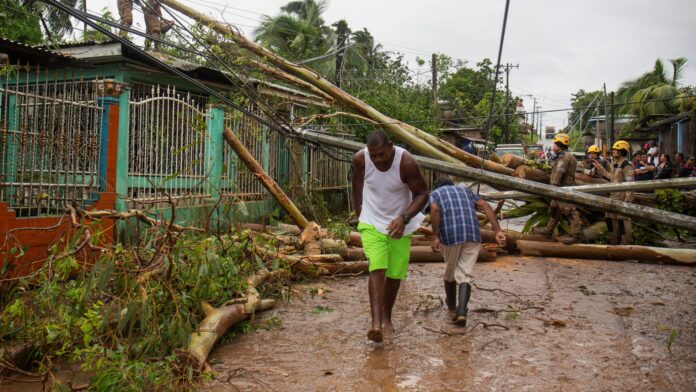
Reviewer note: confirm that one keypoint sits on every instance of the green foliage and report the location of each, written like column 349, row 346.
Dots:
column 298, row 32
column 94, row 35
column 672, row 335
column 125, row 318
column 469, row 90
column 339, row 229
column 654, row 92
column 17, row 23
column 647, row 233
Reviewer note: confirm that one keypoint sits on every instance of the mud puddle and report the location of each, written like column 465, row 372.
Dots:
column 559, row 325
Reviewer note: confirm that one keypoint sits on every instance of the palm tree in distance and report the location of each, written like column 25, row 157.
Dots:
column 654, row 92
column 299, row 32
column 55, row 23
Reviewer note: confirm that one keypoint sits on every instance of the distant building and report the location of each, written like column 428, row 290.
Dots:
column 674, row 133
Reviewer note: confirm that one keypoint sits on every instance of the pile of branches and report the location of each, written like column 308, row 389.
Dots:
column 144, row 315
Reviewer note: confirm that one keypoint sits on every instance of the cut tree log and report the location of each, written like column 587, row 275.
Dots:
column 253, row 165
column 609, row 252
column 310, row 239
column 511, row 238
column 560, row 193
column 512, row 161
column 531, row 174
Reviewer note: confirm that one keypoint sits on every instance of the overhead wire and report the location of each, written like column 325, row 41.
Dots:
column 235, row 80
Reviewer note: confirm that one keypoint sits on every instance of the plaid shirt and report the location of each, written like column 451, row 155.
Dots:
column 458, row 222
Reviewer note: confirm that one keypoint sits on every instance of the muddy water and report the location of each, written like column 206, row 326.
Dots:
column 567, row 326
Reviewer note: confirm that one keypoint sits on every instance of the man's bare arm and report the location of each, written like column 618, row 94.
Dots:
column 490, row 214
column 358, row 180
column 412, row 176
column 435, row 224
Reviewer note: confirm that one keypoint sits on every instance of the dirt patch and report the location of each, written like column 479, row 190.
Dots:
column 558, row 325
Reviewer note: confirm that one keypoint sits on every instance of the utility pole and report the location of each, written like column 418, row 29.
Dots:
column 533, row 115
column 342, row 32
column 433, row 64
column 610, row 130
column 538, row 121
column 507, row 67
column 606, row 116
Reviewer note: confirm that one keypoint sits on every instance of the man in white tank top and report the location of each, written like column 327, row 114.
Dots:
column 388, row 193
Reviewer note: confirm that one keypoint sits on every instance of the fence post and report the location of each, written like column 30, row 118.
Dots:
column 215, row 122
column 108, row 135
column 122, row 152
column 12, row 156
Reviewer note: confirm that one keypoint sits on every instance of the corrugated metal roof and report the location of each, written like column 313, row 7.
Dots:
column 37, row 55
column 105, row 52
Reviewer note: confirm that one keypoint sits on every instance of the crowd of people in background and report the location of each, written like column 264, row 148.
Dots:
column 651, row 165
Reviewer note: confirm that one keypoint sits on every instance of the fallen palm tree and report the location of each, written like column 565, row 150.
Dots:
column 559, row 193
column 253, row 165
column 609, row 252
column 636, row 186
column 425, row 143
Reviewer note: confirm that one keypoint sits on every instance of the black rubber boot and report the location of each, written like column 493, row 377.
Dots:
column 451, row 295
column 462, row 308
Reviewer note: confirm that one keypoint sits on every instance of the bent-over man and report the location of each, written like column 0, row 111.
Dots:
column 457, row 234
column 388, row 193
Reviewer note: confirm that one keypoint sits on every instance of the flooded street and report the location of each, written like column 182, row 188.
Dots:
column 559, row 325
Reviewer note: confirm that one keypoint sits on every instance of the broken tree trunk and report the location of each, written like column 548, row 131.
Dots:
column 564, row 194
column 219, row 320
column 609, row 252
column 254, row 166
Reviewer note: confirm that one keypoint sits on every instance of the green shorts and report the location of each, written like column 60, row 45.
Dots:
column 384, row 252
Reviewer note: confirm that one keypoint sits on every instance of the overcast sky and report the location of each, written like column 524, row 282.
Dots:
column 560, row 45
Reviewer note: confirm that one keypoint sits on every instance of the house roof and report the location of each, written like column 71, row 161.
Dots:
column 19, row 52
column 665, row 121
column 110, row 52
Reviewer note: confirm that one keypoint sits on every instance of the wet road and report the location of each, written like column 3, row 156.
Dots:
column 560, row 325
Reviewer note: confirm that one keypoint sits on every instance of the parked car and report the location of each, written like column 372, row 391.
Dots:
column 514, row 149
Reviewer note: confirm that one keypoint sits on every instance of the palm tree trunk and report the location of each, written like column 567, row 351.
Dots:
column 273, row 187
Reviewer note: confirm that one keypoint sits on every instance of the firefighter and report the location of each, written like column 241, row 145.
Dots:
column 563, row 174
column 587, row 165
column 622, row 171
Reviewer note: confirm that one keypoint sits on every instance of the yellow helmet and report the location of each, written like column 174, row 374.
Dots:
column 563, row 138
column 621, row 145
column 593, row 148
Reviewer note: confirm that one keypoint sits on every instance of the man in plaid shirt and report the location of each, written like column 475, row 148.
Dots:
column 457, row 234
